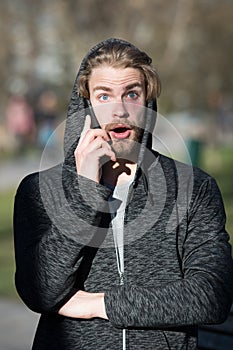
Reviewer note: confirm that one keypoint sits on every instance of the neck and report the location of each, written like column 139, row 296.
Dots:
column 116, row 173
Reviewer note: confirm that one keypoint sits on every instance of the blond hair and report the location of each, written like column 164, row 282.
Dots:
column 121, row 55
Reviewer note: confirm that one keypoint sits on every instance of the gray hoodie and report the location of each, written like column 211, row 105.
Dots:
column 177, row 260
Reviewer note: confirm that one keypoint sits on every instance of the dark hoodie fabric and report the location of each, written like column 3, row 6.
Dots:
column 178, row 265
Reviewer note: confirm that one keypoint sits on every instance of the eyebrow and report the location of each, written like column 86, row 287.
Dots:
column 128, row 87
column 134, row 85
column 104, row 88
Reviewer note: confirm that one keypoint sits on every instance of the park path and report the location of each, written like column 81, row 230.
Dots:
column 17, row 325
column 13, row 170
column 17, row 322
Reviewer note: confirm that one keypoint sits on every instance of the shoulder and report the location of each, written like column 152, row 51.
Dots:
column 171, row 165
column 189, row 179
column 31, row 183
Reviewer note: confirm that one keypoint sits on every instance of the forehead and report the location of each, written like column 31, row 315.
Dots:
column 110, row 76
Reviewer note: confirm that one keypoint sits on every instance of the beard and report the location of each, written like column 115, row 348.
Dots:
column 127, row 148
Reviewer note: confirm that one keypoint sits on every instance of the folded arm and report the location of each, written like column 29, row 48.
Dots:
column 50, row 235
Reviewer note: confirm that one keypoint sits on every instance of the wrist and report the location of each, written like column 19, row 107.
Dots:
column 100, row 306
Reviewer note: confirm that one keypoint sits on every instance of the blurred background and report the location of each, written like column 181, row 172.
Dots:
column 41, row 46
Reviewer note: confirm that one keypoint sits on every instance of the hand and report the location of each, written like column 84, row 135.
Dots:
column 92, row 147
column 85, row 305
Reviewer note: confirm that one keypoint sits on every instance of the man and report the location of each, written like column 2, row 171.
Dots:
column 120, row 247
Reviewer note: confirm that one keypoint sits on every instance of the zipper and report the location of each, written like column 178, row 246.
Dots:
column 119, row 246
column 122, row 281
column 120, row 267
column 122, row 278
column 121, row 273
column 124, row 339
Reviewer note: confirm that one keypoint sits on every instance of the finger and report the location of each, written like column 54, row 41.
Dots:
column 90, row 153
column 105, row 152
column 87, row 126
column 90, row 136
column 98, row 142
column 82, row 293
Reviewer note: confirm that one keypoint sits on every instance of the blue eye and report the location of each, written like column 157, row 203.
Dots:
column 132, row 95
column 104, row 97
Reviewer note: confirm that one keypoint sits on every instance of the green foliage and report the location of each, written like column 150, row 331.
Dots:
column 189, row 42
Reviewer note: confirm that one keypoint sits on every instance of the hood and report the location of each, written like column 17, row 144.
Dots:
column 77, row 111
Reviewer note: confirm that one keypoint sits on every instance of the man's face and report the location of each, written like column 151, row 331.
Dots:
column 118, row 99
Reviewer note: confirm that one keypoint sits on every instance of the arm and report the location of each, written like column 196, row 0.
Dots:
column 57, row 214
column 204, row 294
column 50, row 235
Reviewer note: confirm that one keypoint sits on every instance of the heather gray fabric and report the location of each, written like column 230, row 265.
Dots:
column 178, row 265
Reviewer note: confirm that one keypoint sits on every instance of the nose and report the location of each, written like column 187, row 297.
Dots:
column 119, row 110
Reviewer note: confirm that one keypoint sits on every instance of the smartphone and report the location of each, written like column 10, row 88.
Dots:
column 94, row 121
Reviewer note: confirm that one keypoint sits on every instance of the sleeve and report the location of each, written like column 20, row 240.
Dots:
column 50, row 233
column 204, row 294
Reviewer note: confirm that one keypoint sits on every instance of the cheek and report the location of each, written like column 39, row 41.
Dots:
column 103, row 113
column 137, row 114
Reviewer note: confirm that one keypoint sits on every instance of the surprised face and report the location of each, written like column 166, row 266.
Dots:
column 118, row 98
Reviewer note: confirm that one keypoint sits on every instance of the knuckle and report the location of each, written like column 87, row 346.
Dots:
column 89, row 131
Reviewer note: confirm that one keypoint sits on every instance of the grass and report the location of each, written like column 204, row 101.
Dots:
column 217, row 162
column 6, row 210
column 7, row 265
column 7, row 268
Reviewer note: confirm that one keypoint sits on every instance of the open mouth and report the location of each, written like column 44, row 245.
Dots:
column 120, row 131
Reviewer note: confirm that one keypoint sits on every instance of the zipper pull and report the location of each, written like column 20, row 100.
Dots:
column 122, row 279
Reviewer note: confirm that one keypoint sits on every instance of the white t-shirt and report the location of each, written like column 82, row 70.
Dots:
column 117, row 205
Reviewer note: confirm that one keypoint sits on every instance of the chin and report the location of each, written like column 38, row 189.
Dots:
column 126, row 149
